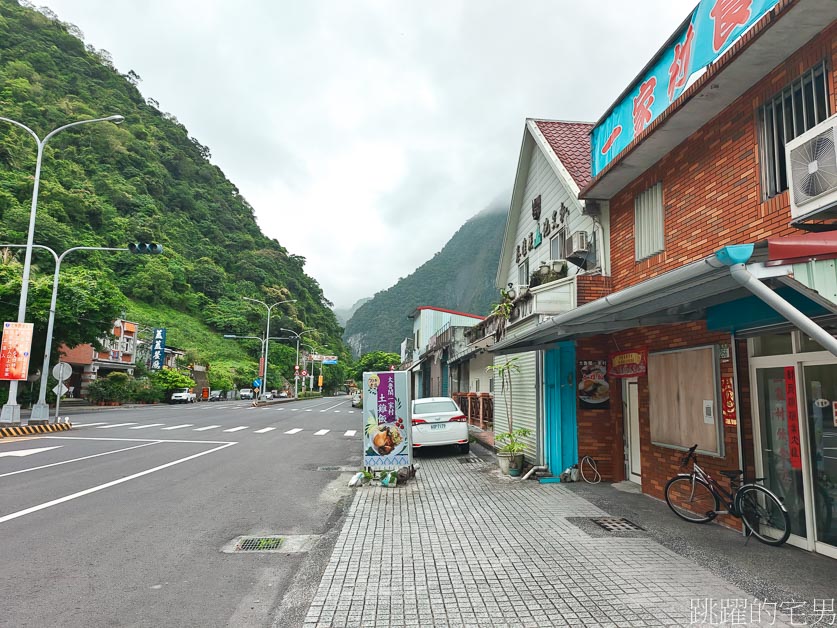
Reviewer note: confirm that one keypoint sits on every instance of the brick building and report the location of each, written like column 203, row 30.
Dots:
column 118, row 353
column 722, row 299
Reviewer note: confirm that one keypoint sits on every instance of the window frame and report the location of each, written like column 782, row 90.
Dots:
column 523, row 271
column 561, row 235
column 644, row 205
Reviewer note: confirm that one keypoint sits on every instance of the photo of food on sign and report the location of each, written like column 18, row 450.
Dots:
column 383, row 439
column 593, row 387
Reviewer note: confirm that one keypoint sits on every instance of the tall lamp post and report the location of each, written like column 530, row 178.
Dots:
column 11, row 410
column 266, row 345
column 297, row 336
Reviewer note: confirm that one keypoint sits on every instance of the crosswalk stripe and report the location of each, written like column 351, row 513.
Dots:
column 350, row 433
column 87, row 424
column 203, row 429
column 236, row 429
column 321, row 433
column 142, row 427
column 351, row 411
column 294, row 431
column 310, row 410
column 107, row 427
column 266, row 429
column 177, row 427
column 337, row 410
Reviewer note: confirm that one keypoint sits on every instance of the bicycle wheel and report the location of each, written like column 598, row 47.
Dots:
column 763, row 514
column 692, row 502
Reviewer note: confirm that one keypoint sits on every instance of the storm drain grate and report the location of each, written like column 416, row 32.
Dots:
column 615, row 524
column 258, row 543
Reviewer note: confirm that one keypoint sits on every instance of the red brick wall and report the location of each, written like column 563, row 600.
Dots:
column 81, row 354
column 592, row 287
column 712, row 193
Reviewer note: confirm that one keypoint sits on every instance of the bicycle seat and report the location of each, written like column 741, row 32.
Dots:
column 731, row 474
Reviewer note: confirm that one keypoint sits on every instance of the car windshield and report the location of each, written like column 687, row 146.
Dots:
column 428, row 407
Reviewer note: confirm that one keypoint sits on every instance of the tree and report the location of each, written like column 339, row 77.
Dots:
column 169, row 379
column 375, row 361
column 505, row 370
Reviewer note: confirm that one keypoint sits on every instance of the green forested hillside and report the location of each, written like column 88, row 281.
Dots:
column 108, row 185
column 459, row 277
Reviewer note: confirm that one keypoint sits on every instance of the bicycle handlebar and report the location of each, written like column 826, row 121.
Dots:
column 688, row 456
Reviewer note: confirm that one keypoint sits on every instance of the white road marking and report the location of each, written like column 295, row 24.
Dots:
column 177, row 427
column 87, row 424
column 142, row 427
column 294, row 431
column 146, row 440
column 55, row 464
column 20, row 453
column 350, row 433
column 332, row 407
column 266, row 429
column 351, row 411
column 107, row 427
column 236, row 429
column 100, row 487
column 203, row 429
column 309, row 410
column 321, row 433
column 337, row 410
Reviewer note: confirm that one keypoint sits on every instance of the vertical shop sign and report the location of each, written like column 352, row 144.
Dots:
column 728, row 402
column 387, row 438
column 593, row 388
column 14, row 350
column 158, row 349
column 794, row 443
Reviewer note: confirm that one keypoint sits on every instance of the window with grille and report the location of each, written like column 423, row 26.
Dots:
column 648, row 222
column 797, row 108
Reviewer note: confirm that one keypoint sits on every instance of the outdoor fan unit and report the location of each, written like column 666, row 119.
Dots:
column 578, row 246
column 812, row 171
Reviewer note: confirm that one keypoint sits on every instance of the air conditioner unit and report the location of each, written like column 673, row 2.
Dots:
column 578, row 242
column 811, row 162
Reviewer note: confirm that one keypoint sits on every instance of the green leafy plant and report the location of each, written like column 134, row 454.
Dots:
column 504, row 371
column 512, row 442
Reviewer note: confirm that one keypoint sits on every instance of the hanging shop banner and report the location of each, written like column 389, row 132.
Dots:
column 158, row 348
column 593, row 389
column 15, row 349
column 713, row 27
column 628, row 364
column 387, row 439
column 728, row 401
column 794, row 440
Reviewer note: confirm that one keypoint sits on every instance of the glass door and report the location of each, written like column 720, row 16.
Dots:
column 779, row 441
column 821, row 409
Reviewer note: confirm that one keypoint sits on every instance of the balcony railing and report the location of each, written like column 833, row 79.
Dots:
column 478, row 407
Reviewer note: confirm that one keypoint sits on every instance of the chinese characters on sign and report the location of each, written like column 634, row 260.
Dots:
column 158, row 349
column 712, row 28
column 387, row 440
column 593, row 389
column 628, row 363
column 728, row 401
column 744, row 612
column 794, row 443
column 14, row 350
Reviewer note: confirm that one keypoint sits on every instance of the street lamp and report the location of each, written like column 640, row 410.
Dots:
column 266, row 344
column 297, row 336
column 11, row 410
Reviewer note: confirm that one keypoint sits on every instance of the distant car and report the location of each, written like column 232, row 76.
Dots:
column 439, row 421
column 357, row 399
column 183, row 395
column 283, row 394
column 268, row 395
column 245, row 393
column 216, row 395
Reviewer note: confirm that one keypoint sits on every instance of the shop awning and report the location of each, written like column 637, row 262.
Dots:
column 734, row 274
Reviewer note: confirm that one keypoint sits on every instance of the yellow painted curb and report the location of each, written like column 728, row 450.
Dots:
column 26, row 430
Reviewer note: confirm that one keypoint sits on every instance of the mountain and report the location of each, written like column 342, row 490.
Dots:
column 344, row 314
column 147, row 179
column 459, row 277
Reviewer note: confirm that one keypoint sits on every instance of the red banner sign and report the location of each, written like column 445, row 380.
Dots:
column 728, row 401
column 794, row 442
column 628, row 363
column 14, row 350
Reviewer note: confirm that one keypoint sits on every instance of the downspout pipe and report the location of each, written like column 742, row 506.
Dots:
column 743, row 276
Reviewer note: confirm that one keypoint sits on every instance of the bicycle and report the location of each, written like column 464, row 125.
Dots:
column 696, row 497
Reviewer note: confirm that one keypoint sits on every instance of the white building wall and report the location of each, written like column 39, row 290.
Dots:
column 479, row 379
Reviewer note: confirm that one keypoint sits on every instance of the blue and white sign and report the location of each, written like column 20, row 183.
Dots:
column 158, row 348
column 713, row 27
column 257, row 383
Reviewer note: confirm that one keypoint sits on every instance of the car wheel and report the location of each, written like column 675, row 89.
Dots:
column 464, row 449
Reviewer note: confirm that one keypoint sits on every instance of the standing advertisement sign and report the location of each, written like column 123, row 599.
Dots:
column 387, row 438
column 15, row 349
column 158, row 349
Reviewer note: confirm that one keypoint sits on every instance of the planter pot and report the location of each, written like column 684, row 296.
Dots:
column 513, row 472
column 516, row 462
column 503, row 460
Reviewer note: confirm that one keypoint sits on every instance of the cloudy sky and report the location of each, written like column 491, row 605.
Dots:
column 365, row 132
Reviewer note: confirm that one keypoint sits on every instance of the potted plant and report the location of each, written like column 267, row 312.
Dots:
column 510, row 453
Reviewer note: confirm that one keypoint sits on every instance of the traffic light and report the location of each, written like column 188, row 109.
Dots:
column 145, row 248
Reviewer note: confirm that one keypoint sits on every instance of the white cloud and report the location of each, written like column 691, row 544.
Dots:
column 365, row 133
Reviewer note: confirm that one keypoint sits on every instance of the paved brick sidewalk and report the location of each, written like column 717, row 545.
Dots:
column 461, row 546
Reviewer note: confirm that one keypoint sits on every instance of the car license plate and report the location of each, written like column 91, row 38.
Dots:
column 437, row 426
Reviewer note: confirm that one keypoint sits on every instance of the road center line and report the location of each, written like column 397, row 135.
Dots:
column 264, row 430
column 294, row 431
column 321, row 433
column 101, row 487
column 236, row 429
column 55, row 464
column 332, row 407
column 177, row 427
column 350, row 433
column 107, row 427
column 203, row 429
column 142, row 427
column 146, row 440
column 89, row 424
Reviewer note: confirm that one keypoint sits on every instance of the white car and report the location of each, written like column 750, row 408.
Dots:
column 183, row 395
column 439, row 421
column 245, row 393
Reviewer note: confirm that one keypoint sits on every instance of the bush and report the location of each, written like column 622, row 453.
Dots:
column 115, row 387
column 308, row 394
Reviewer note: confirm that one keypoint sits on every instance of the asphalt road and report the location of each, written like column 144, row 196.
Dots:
column 121, row 521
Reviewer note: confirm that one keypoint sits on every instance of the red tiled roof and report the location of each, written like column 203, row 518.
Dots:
column 571, row 143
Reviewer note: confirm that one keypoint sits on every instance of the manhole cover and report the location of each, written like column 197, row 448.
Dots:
column 259, row 543
column 615, row 524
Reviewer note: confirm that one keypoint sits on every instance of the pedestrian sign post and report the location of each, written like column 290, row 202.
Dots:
column 304, row 373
